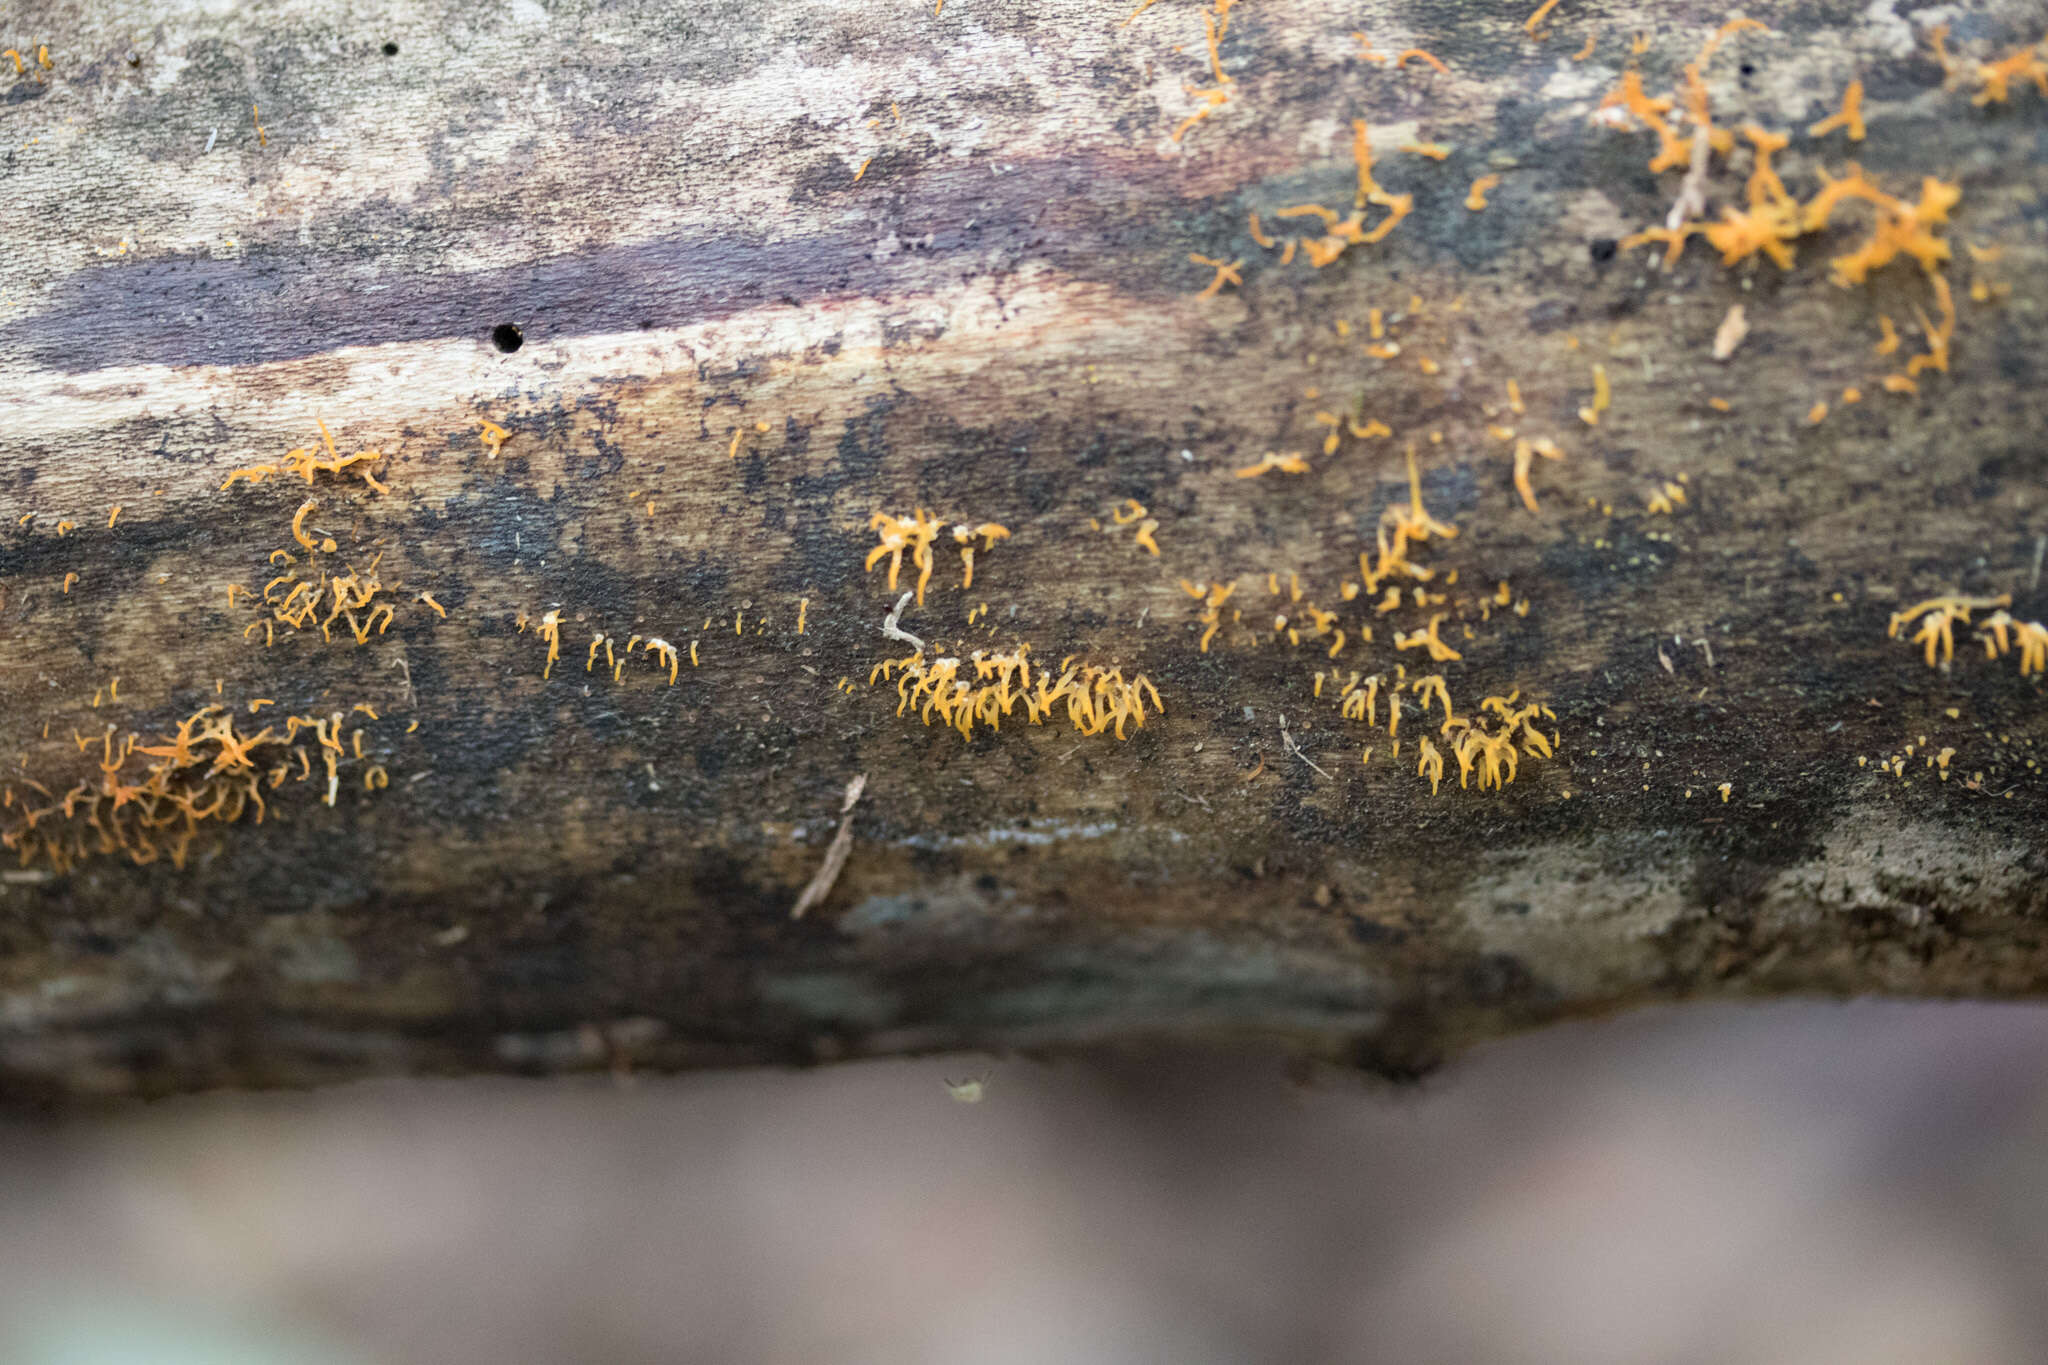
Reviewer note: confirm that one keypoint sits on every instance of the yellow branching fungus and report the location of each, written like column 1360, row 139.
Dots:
column 1226, row 273
column 1210, row 100
column 897, row 534
column 1430, row 764
column 986, row 687
column 1290, row 463
column 1993, row 79
column 2030, row 636
column 1525, row 453
column 1849, row 119
column 964, row 535
column 551, row 632
column 1937, row 617
column 1428, row 639
column 203, row 771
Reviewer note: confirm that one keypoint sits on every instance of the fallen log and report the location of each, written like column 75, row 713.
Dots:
column 458, row 470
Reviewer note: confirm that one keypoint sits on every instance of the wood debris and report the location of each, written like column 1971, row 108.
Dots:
column 836, row 853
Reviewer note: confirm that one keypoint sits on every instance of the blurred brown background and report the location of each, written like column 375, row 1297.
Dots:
column 1794, row 1183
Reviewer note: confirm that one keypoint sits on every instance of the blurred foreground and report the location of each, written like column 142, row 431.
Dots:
column 1793, row 1183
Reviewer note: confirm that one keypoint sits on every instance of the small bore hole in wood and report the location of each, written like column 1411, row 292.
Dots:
column 507, row 337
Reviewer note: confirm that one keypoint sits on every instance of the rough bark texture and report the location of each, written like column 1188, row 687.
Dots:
column 995, row 319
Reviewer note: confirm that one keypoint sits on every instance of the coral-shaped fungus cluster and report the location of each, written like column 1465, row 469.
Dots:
column 915, row 534
column 149, row 799
column 1771, row 219
column 295, row 601
column 984, row 688
column 308, row 594
column 1488, row 744
column 2000, row 632
column 1403, row 526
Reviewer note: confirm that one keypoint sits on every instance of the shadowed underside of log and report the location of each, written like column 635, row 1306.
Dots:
column 735, row 278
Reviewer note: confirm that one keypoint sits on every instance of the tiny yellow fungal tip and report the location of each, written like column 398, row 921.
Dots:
column 1850, row 118
column 1417, row 54
column 1226, row 273
column 492, row 437
column 1291, row 463
column 1542, row 11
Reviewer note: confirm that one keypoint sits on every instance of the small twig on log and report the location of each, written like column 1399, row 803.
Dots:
column 1692, row 191
column 1732, row 330
column 405, row 669
column 842, row 841
column 1287, row 740
column 896, row 632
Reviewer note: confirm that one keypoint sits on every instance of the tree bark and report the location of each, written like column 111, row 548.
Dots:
column 771, row 269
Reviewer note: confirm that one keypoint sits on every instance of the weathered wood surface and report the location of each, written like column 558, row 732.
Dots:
column 996, row 320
